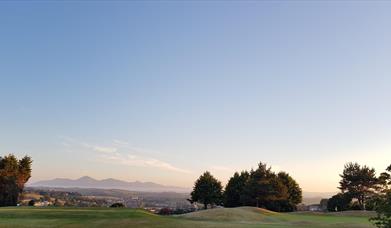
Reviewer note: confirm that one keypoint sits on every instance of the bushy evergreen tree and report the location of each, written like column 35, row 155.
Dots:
column 207, row 190
column 295, row 195
column 264, row 188
column 14, row 174
column 359, row 181
column 234, row 189
column 339, row 202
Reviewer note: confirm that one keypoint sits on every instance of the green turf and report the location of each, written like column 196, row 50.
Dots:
column 236, row 217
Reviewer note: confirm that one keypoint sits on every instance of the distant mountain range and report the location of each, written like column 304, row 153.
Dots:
column 110, row 183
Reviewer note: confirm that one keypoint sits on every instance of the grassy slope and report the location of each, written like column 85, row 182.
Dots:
column 256, row 216
column 222, row 217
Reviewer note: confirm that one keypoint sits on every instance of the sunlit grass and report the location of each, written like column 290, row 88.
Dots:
column 223, row 217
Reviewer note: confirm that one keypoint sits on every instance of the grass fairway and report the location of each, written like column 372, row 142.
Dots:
column 222, row 217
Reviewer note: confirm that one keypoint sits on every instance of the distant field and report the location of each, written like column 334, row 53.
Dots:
column 222, row 217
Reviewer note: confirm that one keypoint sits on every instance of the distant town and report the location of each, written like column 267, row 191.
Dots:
column 89, row 192
column 156, row 202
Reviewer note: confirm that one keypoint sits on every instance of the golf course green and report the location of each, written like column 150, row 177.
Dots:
column 220, row 217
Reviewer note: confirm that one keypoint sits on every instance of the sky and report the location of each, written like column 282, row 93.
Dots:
column 163, row 90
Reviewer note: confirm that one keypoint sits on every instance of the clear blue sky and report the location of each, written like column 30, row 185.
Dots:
column 161, row 91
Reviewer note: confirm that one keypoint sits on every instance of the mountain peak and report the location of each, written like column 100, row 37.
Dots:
column 109, row 183
column 86, row 178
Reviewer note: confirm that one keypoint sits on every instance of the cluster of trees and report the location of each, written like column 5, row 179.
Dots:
column 361, row 189
column 260, row 187
column 14, row 174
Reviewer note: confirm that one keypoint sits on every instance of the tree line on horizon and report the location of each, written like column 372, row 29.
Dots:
column 360, row 189
column 259, row 188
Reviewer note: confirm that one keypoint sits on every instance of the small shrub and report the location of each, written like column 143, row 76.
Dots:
column 31, row 203
column 117, row 205
column 165, row 211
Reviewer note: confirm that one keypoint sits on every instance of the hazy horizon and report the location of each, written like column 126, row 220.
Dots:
column 163, row 91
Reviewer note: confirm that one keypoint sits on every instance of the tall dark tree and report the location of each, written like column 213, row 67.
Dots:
column 264, row 189
column 14, row 174
column 207, row 190
column 295, row 195
column 359, row 181
column 235, row 188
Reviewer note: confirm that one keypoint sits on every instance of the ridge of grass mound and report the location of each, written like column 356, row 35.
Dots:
column 238, row 214
column 252, row 216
